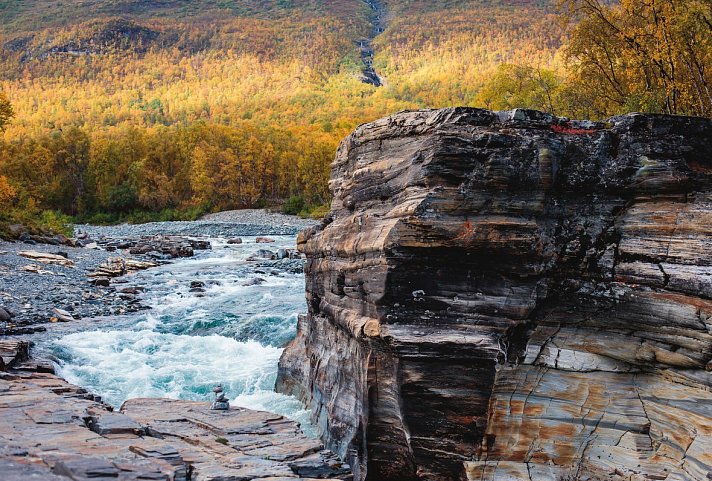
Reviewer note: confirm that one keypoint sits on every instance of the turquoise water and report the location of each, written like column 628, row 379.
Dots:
column 232, row 334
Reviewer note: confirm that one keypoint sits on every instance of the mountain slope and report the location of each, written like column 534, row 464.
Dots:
column 222, row 104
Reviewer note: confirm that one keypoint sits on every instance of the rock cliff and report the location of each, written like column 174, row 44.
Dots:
column 513, row 296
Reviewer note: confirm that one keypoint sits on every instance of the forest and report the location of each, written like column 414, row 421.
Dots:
column 133, row 111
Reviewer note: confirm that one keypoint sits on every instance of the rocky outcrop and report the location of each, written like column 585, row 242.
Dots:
column 117, row 267
column 513, row 296
column 167, row 246
column 97, row 37
column 47, row 258
column 53, row 430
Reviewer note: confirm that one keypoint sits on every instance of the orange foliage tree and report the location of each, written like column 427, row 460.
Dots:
column 7, row 192
column 653, row 56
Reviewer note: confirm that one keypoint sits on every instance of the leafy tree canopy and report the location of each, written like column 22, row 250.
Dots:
column 6, row 112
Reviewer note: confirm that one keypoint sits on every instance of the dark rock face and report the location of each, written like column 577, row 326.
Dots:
column 98, row 37
column 505, row 296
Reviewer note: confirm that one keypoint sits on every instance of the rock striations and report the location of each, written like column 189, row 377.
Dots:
column 513, row 296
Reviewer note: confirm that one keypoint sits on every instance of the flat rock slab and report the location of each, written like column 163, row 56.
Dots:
column 254, row 444
column 47, row 258
column 52, row 430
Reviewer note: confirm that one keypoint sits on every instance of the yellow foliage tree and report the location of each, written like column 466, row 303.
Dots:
column 228, row 111
column 517, row 86
column 6, row 111
column 7, row 192
column 653, row 55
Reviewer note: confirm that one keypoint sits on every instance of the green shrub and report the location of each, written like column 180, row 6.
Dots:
column 123, row 198
column 56, row 222
column 315, row 212
column 47, row 222
column 167, row 215
column 193, row 213
column 294, row 205
column 99, row 218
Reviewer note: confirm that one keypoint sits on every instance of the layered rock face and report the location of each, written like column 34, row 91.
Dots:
column 511, row 296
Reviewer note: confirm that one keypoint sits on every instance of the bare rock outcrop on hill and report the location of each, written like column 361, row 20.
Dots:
column 513, row 296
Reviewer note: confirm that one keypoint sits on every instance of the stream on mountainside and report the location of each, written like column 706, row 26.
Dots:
column 378, row 22
column 232, row 334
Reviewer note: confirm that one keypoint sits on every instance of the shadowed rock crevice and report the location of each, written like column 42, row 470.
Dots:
column 510, row 295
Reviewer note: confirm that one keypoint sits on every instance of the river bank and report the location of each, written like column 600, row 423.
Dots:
column 211, row 302
column 56, row 431
column 220, row 315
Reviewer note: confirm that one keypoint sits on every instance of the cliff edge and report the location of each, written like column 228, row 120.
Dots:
column 513, row 296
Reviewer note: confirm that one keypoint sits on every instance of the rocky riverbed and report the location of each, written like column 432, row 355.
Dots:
column 155, row 311
column 31, row 290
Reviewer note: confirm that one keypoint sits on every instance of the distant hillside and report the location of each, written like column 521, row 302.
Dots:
column 77, row 27
column 431, row 53
column 128, row 105
column 22, row 15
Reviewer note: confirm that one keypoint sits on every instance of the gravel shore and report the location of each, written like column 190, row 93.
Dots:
column 31, row 296
column 259, row 216
column 249, row 222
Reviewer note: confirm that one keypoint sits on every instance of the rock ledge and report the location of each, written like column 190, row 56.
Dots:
column 54, row 431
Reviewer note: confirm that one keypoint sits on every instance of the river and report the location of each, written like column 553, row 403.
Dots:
column 232, row 334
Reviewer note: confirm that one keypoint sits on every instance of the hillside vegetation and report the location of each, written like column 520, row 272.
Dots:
column 180, row 107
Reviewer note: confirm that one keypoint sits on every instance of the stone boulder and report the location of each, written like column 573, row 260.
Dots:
column 513, row 296
column 47, row 258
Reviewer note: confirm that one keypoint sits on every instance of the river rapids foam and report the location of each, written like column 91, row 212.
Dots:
column 230, row 334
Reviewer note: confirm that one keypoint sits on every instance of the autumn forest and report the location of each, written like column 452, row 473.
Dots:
column 132, row 110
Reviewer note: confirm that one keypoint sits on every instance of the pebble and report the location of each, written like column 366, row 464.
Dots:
column 63, row 315
column 5, row 316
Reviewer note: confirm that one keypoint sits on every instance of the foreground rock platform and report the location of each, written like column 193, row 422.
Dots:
column 513, row 296
column 51, row 430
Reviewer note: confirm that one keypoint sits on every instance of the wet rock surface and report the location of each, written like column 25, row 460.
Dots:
column 52, row 430
column 513, row 296
column 167, row 246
